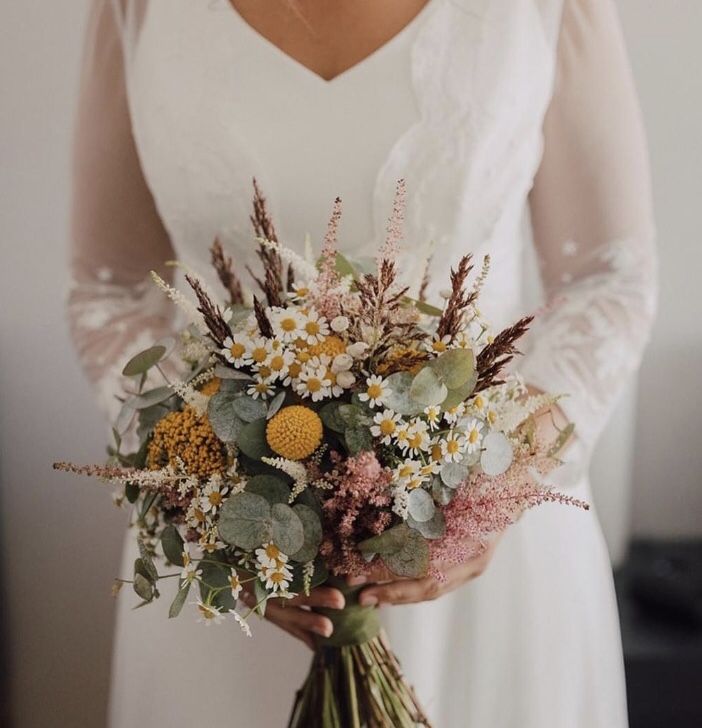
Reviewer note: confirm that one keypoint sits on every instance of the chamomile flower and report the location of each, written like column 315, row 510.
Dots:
column 474, row 435
column 195, row 517
column 287, row 324
column 418, row 439
column 299, row 292
column 439, row 344
column 478, row 404
column 385, row 425
column 235, row 584
column 313, row 382
column 276, row 579
column 376, row 391
column 261, row 387
column 209, row 614
column 433, row 415
column 236, row 350
column 453, row 414
column 270, row 556
column 433, row 467
column 453, row 447
column 407, row 470
column 190, row 571
column 213, row 495
column 491, row 415
column 278, row 363
column 401, row 436
column 209, row 542
column 259, row 349
column 314, row 327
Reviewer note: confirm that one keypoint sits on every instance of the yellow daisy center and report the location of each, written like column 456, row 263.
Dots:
column 237, row 350
column 312, row 328
column 288, row 324
column 387, row 427
column 374, row 391
column 439, row 346
column 313, row 385
column 473, row 436
column 215, row 498
column 452, row 447
column 277, row 363
column 330, row 345
column 259, row 354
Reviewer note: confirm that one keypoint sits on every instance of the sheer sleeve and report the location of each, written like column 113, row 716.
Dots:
column 592, row 222
column 117, row 235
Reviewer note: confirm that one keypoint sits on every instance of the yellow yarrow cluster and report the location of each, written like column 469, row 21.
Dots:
column 402, row 359
column 211, row 387
column 295, row 432
column 186, row 437
column 330, row 345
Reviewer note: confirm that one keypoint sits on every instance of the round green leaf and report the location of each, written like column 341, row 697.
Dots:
column 312, row 529
column 249, row 409
column 387, row 542
column 420, row 505
column 172, row 545
column 497, row 454
column 143, row 587
column 252, row 439
column 434, row 528
column 454, row 474
column 150, row 398
column 412, row 560
column 454, row 367
column 215, row 575
column 427, row 389
column 144, row 360
column 399, row 399
column 287, row 532
column 245, row 520
column 273, row 489
column 460, row 394
column 222, row 416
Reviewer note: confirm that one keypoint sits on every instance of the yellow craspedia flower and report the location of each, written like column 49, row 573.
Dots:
column 295, row 432
column 330, row 345
column 184, row 437
column 211, row 387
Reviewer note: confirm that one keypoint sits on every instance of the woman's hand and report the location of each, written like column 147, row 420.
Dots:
column 388, row 589
column 294, row 615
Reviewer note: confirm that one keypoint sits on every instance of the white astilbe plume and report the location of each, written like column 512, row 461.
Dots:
column 297, row 471
column 187, row 306
column 187, row 392
column 300, row 265
column 307, row 574
column 513, row 413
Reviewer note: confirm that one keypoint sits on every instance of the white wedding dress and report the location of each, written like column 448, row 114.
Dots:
column 516, row 128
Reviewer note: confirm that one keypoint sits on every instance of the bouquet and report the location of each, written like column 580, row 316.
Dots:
column 328, row 424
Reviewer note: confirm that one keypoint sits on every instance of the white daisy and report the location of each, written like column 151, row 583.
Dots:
column 478, row 404
column 433, row 415
column 385, row 425
column 287, row 323
column 190, row 571
column 314, row 327
column 278, row 363
column 259, row 349
column 276, row 579
column 418, row 439
column 439, row 344
column 313, row 382
column 213, row 495
column 261, row 387
column 376, row 391
column 474, row 435
column 209, row 614
column 299, row 292
column 453, row 414
column 406, row 470
column 270, row 556
column 452, row 447
column 235, row 585
column 236, row 350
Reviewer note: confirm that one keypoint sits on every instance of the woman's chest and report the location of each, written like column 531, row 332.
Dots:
column 454, row 107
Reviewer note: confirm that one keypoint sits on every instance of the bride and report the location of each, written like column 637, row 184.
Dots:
column 517, row 130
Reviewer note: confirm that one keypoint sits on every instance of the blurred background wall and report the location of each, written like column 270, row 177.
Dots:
column 60, row 538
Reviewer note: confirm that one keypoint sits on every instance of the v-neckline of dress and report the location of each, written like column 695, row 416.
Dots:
column 292, row 62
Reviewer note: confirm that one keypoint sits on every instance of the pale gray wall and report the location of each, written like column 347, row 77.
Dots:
column 61, row 539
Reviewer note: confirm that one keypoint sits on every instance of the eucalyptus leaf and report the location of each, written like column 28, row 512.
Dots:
column 331, row 417
column 434, row 528
column 497, row 454
column 358, row 439
column 276, row 404
column 460, row 394
column 179, row 601
column 353, row 415
column 454, row 474
column 143, row 587
column 150, row 398
column 287, row 531
column 215, row 576
column 124, row 418
column 399, row 399
column 143, row 361
column 420, row 505
column 273, row 489
column 412, row 559
column 261, row 596
column 423, row 306
column 252, row 439
column 225, row 372
column 454, row 367
column 131, row 491
column 312, row 530
column 442, row 494
column 245, row 520
column 387, row 542
column 172, row 545
column 343, row 267
column 149, row 418
column 249, row 409
column 223, row 417
column 148, row 562
column 427, row 389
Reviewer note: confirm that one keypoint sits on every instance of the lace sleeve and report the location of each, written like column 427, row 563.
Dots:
column 117, row 235
column 592, row 222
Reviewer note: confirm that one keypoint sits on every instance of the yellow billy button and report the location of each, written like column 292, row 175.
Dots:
column 295, row 432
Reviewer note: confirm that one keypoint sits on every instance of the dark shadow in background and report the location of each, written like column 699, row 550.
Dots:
column 660, row 601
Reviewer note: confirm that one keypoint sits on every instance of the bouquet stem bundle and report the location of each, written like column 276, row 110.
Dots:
column 355, row 680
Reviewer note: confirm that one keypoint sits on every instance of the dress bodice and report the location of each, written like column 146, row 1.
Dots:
column 467, row 144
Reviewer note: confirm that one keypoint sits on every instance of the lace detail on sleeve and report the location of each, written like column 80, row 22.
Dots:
column 117, row 235
column 593, row 227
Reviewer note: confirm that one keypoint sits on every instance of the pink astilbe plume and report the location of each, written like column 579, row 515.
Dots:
column 487, row 505
column 327, row 298
column 390, row 249
column 357, row 508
